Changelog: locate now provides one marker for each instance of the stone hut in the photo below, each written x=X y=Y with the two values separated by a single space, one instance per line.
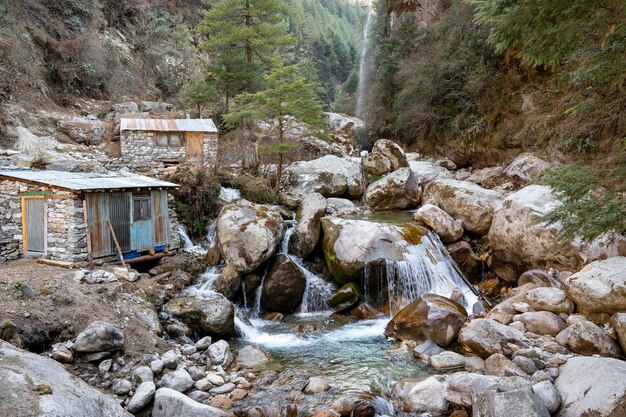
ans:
x=148 y=145
x=72 y=217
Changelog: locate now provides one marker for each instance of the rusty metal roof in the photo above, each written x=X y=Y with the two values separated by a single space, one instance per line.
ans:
x=85 y=181
x=169 y=125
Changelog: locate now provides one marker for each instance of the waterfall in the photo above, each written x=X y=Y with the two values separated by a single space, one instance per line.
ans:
x=316 y=290
x=363 y=75
x=426 y=267
x=188 y=245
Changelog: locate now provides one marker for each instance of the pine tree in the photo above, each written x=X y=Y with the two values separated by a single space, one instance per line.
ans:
x=288 y=98
x=251 y=31
x=199 y=94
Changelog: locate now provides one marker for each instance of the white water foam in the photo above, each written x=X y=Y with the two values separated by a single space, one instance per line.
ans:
x=188 y=245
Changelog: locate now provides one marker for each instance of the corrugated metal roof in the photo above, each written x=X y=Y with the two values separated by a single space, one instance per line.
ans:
x=169 y=125
x=86 y=181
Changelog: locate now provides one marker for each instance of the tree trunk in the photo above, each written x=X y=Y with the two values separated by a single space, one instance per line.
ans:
x=248 y=48
x=281 y=128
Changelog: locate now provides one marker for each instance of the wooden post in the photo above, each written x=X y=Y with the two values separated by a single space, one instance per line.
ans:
x=117 y=245
x=89 y=254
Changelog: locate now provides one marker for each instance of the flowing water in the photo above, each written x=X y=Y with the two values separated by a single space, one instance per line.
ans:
x=188 y=245
x=363 y=68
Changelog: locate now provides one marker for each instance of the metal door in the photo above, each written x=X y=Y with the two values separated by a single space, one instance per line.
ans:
x=35 y=225
x=119 y=210
x=97 y=215
x=142 y=229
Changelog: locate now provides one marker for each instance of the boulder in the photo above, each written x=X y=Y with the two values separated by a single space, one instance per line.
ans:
x=125 y=107
x=350 y=245
x=376 y=164
x=283 y=286
x=526 y=168
x=392 y=151
x=499 y=365
x=484 y=337
x=549 y=299
x=213 y=315
x=539 y=278
x=424 y=396
x=599 y=287
x=329 y=175
x=345 y=297
x=228 y=283
x=586 y=338
x=541 y=322
x=521 y=402
x=448 y=229
x=445 y=361
x=250 y=357
x=316 y=385
x=520 y=241
x=142 y=397
x=395 y=191
x=171 y=403
x=592 y=387
x=463 y=254
x=34 y=385
x=465 y=201
x=248 y=234
x=460 y=387
x=99 y=336
x=307 y=233
x=506 y=309
x=426 y=172
x=429 y=317
x=618 y=322
x=548 y=395
x=61 y=353
x=341 y=207
x=220 y=354
x=179 y=380
x=342 y=406
x=341 y=123
x=490 y=177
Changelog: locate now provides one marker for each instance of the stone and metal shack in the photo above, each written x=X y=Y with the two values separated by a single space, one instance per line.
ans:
x=149 y=144
x=67 y=215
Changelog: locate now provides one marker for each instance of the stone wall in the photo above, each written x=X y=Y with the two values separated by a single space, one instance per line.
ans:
x=66 y=238
x=174 y=223
x=10 y=220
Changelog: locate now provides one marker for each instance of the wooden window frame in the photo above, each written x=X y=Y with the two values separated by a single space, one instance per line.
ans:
x=170 y=135
x=139 y=198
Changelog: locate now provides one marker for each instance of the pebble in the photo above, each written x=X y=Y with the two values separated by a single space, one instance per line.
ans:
x=238 y=394
x=203 y=343
x=143 y=374
x=105 y=366
x=170 y=359
x=121 y=386
x=196 y=372
x=189 y=350
x=214 y=378
x=343 y=406
x=223 y=389
x=222 y=401
x=203 y=384
x=156 y=366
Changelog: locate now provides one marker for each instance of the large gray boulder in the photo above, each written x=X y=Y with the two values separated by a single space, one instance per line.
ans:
x=526 y=168
x=171 y=403
x=586 y=338
x=396 y=191
x=592 y=387
x=618 y=322
x=599 y=287
x=541 y=322
x=448 y=229
x=460 y=387
x=376 y=164
x=350 y=245
x=465 y=201
x=307 y=233
x=484 y=337
x=329 y=175
x=424 y=396
x=248 y=234
x=392 y=151
x=429 y=317
x=179 y=380
x=550 y=299
x=426 y=172
x=213 y=315
x=521 y=402
x=33 y=385
x=283 y=286
x=142 y=397
x=99 y=336
x=520 y=241
x=250 y=357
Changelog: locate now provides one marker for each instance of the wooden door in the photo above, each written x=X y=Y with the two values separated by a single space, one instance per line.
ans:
x=160 y=217
x=142 y=229
x=193 y=146
x=34 y=225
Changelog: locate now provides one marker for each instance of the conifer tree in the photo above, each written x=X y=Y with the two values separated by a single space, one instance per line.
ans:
x=248 y=31
x=289 y=99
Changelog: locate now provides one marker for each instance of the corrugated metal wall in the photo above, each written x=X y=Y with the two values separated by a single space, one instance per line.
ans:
x=120 y=209
x=97 y=215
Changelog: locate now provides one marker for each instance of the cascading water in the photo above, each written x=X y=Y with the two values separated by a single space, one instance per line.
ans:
x=188 y=245
x=426 y=267
x=363 y=67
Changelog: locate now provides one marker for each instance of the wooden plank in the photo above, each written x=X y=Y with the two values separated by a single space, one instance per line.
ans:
x=87 y=232
x=24 y=226
x=194 y=146
x=117 y=245
x=159 y=204
x=53 y=262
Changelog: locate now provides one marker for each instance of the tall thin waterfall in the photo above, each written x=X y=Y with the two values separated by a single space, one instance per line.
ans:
x=188 y=245
x=427 y=267
x=363 y=75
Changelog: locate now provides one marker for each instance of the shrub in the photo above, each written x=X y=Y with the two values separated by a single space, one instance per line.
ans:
x=197 y=198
